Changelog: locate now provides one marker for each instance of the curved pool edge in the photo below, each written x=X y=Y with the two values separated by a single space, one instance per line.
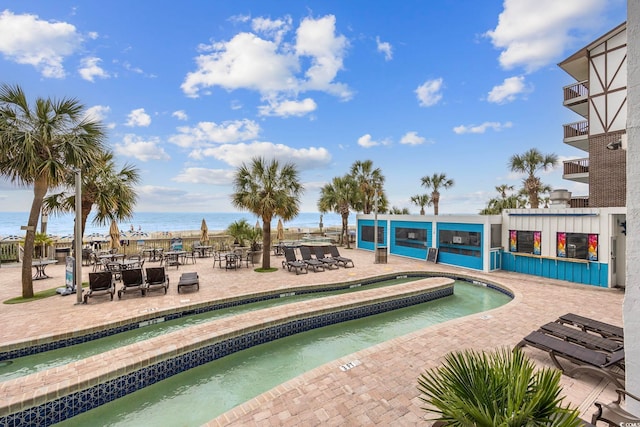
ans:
x=16 y=349
x=124 y=370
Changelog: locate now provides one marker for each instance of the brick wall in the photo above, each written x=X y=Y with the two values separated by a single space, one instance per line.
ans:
x=607 y=172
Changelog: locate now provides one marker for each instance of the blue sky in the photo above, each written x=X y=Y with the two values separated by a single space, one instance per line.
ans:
x=191 y=90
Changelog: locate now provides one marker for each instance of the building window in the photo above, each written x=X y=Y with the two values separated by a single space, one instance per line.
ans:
x=578 y=246
x=411 y=237
x=459 y=242
x=367 y=233
x=528 y=242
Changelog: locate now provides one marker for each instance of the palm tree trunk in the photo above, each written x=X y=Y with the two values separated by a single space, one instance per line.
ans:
x=345 y=228
x=266 y=243
x=86 y=210
x=39 y=191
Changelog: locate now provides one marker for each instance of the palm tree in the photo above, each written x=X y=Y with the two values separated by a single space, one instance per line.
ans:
x=399 y=211
x=369 y=181
x=421 y=200
x=267 y=190
x=501 y=388
x=504 y=189
x=505 y=201
x=340 y=195
x=529 y=163
x=112 y=192
x=435 y=182
x=39 y=145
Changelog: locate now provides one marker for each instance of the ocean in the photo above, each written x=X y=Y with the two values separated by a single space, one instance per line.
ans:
x=62 y=225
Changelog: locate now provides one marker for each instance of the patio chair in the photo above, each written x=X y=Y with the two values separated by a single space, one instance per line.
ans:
x=188 y=280
x=100 y=283
x=586 y=359
x=115 y=268
x=613 y=414
x=231 y=261
x=335 y=254
x=320 y=256
x=290 y=261
x=156 y=279
x=607 y=330
x=578 y=336
x=305 y=252
x=219 y=258
x=132 y=280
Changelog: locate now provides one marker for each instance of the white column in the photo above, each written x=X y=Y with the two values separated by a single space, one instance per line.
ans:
x=631 y=311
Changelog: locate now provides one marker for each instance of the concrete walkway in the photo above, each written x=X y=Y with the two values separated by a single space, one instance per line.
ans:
x=381 y=390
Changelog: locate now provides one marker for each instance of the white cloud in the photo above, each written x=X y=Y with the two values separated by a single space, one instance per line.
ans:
x=508 y=90
x=272 y=67
x=496 y=126
x=385 y=47
x=367 y=141
x=429 y=92
x=180 y=115
x=90 y=68
x=138 y=118
x=534 y=33
x=97 y=112
x=236 y=154
x=273 y=28
x=26 y=39
x=206 y=176
x=288 y=108
x=141 y=149
x=412 y=138
x=206 y=133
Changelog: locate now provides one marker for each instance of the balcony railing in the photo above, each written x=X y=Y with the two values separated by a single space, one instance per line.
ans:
x=572 y=130
x=579 y=202
x=576 y=90
x=576 y=166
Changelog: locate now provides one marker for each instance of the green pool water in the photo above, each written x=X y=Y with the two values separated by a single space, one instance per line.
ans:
x=50 y=359
x=200 y=394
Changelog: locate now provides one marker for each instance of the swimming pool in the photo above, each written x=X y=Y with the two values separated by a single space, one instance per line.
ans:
x=201 y=393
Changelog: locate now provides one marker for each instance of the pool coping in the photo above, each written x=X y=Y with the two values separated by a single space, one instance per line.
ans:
x=65 y=391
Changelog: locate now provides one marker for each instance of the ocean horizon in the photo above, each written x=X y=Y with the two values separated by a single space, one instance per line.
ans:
x=150 y=222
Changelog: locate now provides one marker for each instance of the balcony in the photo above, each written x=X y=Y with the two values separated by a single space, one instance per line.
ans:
x=575 y=97
x=577 y=135
x=579 y=202
x=576 y=170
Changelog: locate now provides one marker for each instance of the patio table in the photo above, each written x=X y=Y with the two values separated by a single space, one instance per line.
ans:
x=40 y=266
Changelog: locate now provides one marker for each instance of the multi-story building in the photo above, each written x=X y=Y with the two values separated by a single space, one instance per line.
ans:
x=599 y=96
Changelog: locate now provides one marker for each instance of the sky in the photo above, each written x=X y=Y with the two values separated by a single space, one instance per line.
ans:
x=189 y=91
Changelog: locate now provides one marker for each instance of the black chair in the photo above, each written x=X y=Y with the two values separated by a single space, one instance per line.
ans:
x=320 y=256
x=188 y=280
x=157 y=279
x=335 y=254
x=607 y=330
x=231 y=261
x=305 y=252
x=132 y=280
x=290 y=261
x=100 y=283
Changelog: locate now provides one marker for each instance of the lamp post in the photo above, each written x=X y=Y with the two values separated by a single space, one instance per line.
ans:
x=375 y=227
x=43 y=229
x=77 y=247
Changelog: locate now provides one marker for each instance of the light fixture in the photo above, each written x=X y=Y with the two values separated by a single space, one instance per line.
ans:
x=614 y=145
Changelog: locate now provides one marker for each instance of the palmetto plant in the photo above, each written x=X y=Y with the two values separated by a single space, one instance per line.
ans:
x=490 y=389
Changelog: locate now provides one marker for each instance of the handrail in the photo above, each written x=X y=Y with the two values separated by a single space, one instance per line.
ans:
x=576 y=166
x=576 y=90
x=574 y=129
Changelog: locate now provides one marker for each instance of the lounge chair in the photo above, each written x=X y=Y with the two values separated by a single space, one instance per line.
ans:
x=100 y=283
x=290 y=261
x=607 y=330
x=305 y=252
x=613 y=414
x=132 y=280
x=188 y=279
x=335 y=254
x=578 y=336
x=586 y=359
x=157 y=279
x=320 y=256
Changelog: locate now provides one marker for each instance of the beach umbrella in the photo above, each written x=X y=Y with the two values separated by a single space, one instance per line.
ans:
x=280 y=231
x=258 y=225
x=12 y=238
x=204 y=235
x=114 y=233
